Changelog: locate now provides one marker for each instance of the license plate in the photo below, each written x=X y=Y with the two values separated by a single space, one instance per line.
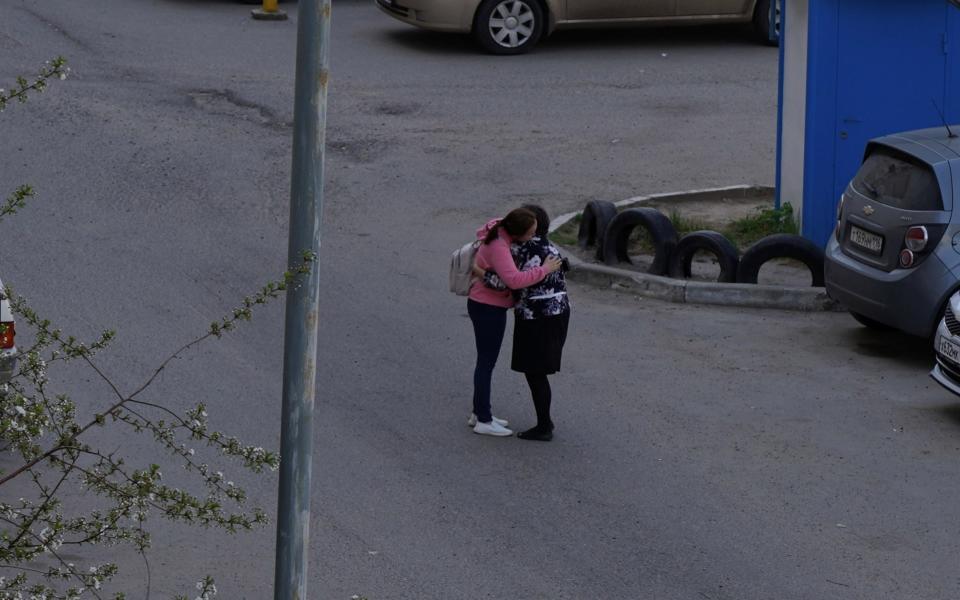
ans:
x=949 y=349
x=866 y=240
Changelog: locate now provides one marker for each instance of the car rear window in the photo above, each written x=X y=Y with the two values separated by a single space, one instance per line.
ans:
x=898 y=180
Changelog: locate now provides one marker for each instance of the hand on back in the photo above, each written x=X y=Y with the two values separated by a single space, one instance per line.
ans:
x=552 y=264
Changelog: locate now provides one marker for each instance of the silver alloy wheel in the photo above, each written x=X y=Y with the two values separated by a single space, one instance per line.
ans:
x=512 y=23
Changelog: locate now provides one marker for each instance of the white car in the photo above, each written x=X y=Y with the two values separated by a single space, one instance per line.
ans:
x=8 y=346
x=946 y=343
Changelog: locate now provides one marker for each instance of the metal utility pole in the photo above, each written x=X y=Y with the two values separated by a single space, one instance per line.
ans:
x=300 y=335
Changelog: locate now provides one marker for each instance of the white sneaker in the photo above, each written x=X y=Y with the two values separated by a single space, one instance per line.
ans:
x=492 y=428
x=472 y=421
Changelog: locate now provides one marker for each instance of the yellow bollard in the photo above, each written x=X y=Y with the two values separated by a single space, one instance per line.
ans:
x=268 y=12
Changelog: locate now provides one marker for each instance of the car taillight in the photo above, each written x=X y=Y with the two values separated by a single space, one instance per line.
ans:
x=916 y=238
x=906 y=259
x=7 y=333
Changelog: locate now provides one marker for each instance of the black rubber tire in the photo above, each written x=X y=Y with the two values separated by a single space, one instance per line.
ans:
x=483 y=35
x=661 y=230
x=781 y=245
x=728 y=257
x=593 y=224
x=761 y=23
x=870 y=323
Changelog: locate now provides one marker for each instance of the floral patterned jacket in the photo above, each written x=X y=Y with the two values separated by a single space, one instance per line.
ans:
x=547 y=298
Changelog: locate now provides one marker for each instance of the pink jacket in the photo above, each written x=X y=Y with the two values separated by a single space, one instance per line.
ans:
x=496 y=256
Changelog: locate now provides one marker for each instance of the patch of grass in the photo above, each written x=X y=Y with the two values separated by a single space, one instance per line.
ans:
x=685 y=225
x=641 y=242
x=744 y=232
x=566 y=234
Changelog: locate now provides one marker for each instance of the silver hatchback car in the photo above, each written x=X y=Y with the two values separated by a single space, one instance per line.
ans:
x=894 y=258
x=947 y=347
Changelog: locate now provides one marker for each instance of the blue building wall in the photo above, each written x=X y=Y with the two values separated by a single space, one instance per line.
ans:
x=874 y=67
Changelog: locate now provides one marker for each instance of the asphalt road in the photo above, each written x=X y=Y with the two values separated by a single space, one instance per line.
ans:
x=701 y=452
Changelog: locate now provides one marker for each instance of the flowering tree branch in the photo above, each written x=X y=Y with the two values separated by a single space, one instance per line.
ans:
x=56 y=68
x=58 y=449
x=29 y=414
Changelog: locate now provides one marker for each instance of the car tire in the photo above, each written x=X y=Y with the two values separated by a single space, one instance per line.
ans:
x=509 y=26
x=761 y=22
x=781 y=245
x=870 y=323
x=593 y=224
x=617 y=237
x=728 y=257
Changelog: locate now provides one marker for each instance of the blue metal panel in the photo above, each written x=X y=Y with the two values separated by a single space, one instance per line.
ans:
x=952 y=43
x=875 y=67
x=819 y=147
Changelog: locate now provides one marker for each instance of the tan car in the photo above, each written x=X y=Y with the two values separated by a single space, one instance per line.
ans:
x=515 y=26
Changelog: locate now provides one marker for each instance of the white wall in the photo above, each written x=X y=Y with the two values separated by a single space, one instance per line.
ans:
x=796 y=14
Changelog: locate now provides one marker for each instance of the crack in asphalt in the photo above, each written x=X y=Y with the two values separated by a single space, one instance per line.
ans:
x=60 y=29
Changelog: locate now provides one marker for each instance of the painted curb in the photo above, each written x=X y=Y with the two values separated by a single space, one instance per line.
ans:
x=696 y=292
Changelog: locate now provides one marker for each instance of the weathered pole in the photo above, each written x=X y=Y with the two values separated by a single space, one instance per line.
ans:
x=300 y=334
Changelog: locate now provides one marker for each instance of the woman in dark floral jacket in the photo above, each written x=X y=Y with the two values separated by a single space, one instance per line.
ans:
x=542 y=315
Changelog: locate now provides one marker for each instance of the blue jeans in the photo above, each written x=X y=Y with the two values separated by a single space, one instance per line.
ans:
x=489 y=323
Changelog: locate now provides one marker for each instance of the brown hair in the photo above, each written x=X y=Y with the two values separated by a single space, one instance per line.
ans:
x=543 y=220
x=517 y=222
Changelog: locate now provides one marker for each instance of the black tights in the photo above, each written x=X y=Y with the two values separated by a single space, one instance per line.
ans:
x=540 y=390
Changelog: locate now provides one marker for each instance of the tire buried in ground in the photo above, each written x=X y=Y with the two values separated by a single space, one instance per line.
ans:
x=617 y=237
x=727 y=255
x=593 y=224
x=781 y=245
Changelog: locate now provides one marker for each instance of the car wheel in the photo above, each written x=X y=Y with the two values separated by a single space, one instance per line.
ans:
x=508 y=26
x=781 y=245
x=593 y=224
x=761 y=22
x=870 y=323
x=728 y=257
x=617 y=237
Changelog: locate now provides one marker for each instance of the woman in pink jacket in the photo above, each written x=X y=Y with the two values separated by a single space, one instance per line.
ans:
x=488 y=307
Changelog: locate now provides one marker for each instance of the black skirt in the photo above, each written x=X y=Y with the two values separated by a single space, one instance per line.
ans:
x=538 y=344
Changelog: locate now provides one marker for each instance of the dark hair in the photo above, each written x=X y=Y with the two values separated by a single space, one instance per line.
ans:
x=517 y=222
x=543 y=219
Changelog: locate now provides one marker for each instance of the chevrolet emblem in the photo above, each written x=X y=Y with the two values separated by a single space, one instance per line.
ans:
x=868 y=210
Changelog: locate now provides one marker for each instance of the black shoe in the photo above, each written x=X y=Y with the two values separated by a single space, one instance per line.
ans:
x=536 y=434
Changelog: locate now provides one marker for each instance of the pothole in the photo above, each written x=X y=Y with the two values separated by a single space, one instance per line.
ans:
x=395 y=109
x=363 y=150
x=229 y=104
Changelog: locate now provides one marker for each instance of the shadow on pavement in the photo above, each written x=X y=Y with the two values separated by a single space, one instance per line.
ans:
x=905 y=349
x=433 y=42
x=645 y=38
x=663 y=39
x=950 y=412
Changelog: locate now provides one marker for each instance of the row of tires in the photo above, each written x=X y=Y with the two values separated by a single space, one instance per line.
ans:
x=602 y=226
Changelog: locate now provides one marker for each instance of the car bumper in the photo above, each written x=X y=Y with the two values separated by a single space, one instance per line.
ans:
x=946 y=372
x=434 y=15
x=907 y=299
x=8 y=364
